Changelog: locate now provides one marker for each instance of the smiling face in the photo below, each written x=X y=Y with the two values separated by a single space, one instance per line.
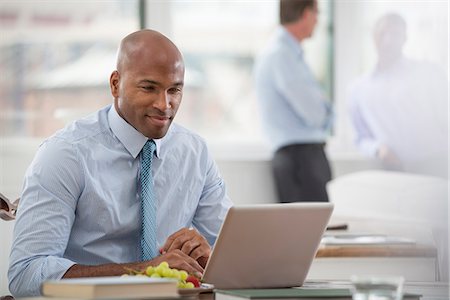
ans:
x=148 y=84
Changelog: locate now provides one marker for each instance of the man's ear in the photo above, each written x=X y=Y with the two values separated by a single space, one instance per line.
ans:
x=305 y=14
x=114 y=80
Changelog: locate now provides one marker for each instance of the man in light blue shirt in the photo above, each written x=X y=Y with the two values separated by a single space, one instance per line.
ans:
x=295 y=113
x=80 y=210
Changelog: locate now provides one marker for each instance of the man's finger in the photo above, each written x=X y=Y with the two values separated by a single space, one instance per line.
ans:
x=177 y=239
x=189 y=246
x=200 y=252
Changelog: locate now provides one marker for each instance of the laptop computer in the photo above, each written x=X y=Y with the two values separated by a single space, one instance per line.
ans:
x=267 y=245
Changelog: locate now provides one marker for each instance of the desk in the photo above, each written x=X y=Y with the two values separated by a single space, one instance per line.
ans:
x=428 y=290
x=377 y=251
x=414 y=262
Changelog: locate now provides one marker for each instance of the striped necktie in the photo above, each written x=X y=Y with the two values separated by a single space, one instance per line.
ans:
x=148 y=203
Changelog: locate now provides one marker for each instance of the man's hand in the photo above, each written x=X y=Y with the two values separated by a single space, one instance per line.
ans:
x=190 y=242
x=181 y=261
x=387 y=156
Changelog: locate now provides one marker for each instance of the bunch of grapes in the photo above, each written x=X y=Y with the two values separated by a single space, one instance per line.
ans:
x=164 y=271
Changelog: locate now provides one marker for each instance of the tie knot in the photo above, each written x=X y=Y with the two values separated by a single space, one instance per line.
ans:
x=148 y=149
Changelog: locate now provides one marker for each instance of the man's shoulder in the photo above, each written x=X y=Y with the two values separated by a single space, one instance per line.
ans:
x=275 y=50
x=85 y=128
x=274 y=55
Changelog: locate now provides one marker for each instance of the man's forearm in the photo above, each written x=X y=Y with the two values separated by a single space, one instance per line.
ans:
x=103 y=270
x=175 y=258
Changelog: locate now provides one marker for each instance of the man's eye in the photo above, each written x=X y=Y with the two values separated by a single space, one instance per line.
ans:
x=175 y=90
x=148 y=88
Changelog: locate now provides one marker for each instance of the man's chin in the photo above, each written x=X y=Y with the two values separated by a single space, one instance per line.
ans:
x=157 y=133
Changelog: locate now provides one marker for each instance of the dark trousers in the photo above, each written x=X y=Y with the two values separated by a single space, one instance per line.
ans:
x=301 y=173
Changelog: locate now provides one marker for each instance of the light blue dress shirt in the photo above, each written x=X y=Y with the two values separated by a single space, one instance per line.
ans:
x=294 y=109
x=80 y=202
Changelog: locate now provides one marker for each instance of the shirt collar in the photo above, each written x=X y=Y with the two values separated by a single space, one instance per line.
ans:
x=289 y=40
x=132 y=139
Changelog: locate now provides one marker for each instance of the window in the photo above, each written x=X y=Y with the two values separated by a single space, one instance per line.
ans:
x=55 y=61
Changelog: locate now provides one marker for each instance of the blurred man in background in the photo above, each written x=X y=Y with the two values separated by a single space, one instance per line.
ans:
x=399 y=110
x=296 y=115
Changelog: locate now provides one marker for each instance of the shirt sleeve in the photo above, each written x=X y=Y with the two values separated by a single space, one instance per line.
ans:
x=295 y=81
x=44 y=219
x=214 y=203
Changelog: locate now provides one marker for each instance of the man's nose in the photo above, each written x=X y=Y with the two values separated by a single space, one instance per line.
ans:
x=163 y=101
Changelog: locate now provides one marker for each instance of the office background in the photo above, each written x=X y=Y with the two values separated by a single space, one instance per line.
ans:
x=56 y=60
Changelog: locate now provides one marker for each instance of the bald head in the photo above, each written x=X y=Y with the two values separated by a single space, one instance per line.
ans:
x=144 y=42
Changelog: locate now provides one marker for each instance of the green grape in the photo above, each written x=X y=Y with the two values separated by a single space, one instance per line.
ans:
x=167 y=273
x=160 y=270
x=176 y=274
x=183 y=275
x=149 y=271
x=189 y=285
x=164 y=271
